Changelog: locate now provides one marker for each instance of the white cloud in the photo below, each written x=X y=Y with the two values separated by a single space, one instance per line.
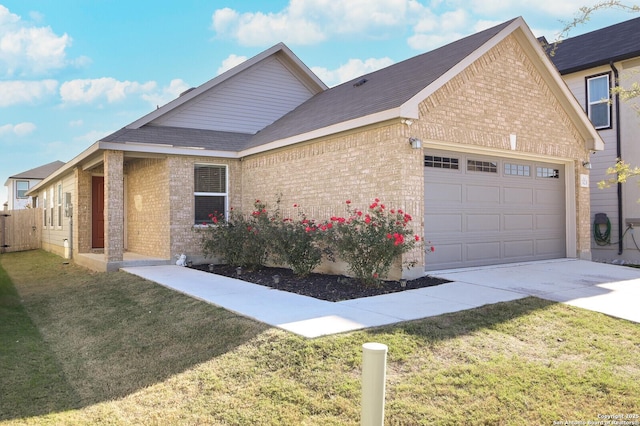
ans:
x=167 y=94
x=313 y=21
x=20 y=129
x=432 y=31
x=91 y=90
x=76 y=123
x=352 y=69
x=231 y=61
x=26 y=49
x=25 y=92
x=553 y=9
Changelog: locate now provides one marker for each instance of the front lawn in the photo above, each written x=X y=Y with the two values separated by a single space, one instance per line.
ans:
x=78 y=347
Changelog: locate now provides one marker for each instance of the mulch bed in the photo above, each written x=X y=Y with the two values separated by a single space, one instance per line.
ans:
x=333 y=288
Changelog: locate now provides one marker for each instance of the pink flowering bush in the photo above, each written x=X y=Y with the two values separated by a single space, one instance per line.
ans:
x=369 y=241
x=241 y=240
x=295 y=242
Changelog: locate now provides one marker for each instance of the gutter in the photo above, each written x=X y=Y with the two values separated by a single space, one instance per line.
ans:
x=619 y=156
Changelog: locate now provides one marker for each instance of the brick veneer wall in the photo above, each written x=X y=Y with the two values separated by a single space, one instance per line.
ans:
x=185 y=237
x=160 y=204
x=113 y=205
x=148 y=207
x=376 y=162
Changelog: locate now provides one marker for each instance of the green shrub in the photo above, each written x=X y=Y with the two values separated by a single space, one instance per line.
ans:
x=370 y=241
x=295 y=243
x=241 y=240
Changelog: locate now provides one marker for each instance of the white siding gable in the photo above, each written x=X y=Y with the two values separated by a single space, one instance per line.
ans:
x=246 y=103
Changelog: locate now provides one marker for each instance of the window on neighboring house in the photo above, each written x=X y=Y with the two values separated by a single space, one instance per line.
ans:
x=598 y=108
x=210 y=192
x=22 y=186
x=59 y=204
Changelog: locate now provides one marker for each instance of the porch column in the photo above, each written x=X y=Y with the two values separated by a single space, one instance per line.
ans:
x=113 y=205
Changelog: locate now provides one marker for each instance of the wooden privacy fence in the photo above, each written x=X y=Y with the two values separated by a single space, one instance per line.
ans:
x=20 y=230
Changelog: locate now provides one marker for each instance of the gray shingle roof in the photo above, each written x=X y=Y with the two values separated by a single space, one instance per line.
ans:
x=615 y=43
x=39 y=172
x=181 y=137
x=384 y=89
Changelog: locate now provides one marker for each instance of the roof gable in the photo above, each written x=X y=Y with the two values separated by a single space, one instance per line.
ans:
x=244 y=103
x=255 y=81
x=611 y=44
x=382 y=90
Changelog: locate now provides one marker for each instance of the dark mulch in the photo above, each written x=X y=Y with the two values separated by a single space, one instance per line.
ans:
x=333 y=288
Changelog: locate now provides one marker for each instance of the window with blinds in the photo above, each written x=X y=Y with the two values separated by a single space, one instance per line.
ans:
x=210 y=192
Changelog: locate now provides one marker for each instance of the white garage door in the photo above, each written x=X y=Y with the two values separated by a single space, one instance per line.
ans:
x=488 y=210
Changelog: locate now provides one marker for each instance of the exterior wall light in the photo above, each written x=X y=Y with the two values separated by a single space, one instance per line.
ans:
x=586 y=165
x=415 y=143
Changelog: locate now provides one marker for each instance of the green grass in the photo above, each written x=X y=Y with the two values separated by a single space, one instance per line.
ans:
x=85 y=348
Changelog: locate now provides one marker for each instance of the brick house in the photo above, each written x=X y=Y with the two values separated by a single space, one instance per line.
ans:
x=591 y=64
x=480 y=140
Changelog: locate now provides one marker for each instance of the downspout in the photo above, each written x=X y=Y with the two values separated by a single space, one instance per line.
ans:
x=618 y=155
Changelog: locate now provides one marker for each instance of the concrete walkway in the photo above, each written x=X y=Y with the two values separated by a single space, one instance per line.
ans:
x=610 y=289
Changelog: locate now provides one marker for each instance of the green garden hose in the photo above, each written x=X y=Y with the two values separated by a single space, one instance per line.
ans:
x=602 y=239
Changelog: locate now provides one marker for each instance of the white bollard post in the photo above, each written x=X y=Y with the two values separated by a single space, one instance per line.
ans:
x=374 y=366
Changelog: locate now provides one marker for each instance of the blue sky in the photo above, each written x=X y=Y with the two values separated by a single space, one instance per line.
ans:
x=72 y=71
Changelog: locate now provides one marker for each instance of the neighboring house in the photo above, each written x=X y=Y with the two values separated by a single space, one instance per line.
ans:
x=18 y=185
x=591 y=64
x=480 y=141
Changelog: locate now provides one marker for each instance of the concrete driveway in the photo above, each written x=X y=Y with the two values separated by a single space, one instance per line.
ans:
x=613 y=290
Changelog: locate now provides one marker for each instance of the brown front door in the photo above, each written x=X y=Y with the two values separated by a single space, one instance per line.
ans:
x=97 y=209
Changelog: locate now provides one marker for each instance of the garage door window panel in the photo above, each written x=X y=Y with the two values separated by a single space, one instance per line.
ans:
x=547 y=172
x=482 y=166
x=441 y=162
x=511 y=169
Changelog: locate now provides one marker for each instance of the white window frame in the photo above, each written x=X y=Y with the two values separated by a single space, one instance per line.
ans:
x=44 y=208
x=596 y=102
x=18 y=190
x=59 y=205
x=51 y=204
x=212 y=194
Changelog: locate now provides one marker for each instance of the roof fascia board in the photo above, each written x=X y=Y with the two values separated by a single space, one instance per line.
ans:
x=166 y=149
x=66 y=168
x=279 y=48
x=344 y=126
x=294 y=65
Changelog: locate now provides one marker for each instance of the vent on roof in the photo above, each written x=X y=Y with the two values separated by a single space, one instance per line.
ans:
x=360 y=82
x=187 y=91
